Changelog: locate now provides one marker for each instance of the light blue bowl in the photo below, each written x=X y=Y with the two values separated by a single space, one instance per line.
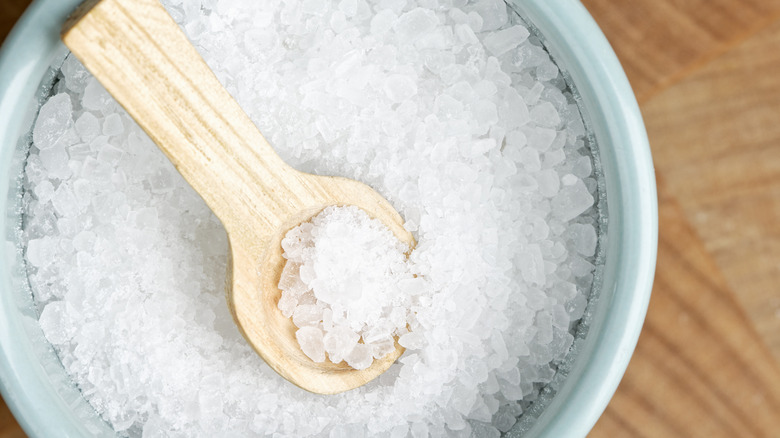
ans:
x=46 y=404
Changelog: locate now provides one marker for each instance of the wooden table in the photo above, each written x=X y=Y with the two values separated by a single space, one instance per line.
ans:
x=707 y=76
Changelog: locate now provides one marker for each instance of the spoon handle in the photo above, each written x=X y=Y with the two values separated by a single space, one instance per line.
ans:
x=139 y=54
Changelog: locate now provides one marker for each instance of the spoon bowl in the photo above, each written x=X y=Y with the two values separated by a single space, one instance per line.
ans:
x=250 y=295
x=139 y=54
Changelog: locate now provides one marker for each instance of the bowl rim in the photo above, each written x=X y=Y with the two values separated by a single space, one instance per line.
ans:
x=633 y=220
x=25 y=383
x=571 y=33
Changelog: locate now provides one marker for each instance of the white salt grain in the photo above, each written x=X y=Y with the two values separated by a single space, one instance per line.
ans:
x=505 y=40
x=55 y=161
x=545 y=114
x=450 y=110
x=339 y=342
x=113 y=125
x=84 y=241
x=87 y=126
x=493 y=14
x=399 y=88
x=64 y=202
x=40 y=252
x=360 y=357
x=55 y=322
x=574 y=201
x=54 y=120
x=414 y=24
x=310 y=340
x=44 y=191
x=382 y=22
x=584 y=238
x=95 y=96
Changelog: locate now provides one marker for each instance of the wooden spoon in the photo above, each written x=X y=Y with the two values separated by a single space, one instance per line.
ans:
x=136 y=50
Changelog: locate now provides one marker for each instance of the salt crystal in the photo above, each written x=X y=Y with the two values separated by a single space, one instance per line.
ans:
x=569 y=179
x=573 y=201
x=348 y=7
x=360 y=357
x=462 y=399
x=529 y=157
x=110 y=155
x=147 y=218
x=446 y=107
x=44 y=191
x=480 y=411
x=530 y=56
x=547 y=71
x=503 y=41
x=96 y=98
x=290 y=280
x=307 y=315
x=84 y=241
x=485 y=112
x=504 y=421
x=584 y=238
x=549 y=182
x=310 y=340
x=532 y=265
x=287 y=304
x=382 y=22
x=419 y=430
x=40 y=252
x=34 y=170
x=514 y=110
x=161 y=181
x=95 y=170
x=112 y=125
x=314 y=7
x=544 y=323
x=475 y=21
x=493 y=12
x=560 y=318
x=465 y=34
x=64 y=201
x=382 y=348
x=338 y=22
x=555 y=155
x=339 y=342
x=411 y=341
x=74 y=73
x=55 y=161
x=87 y=126
x=582 y=167
x=545 y=114
x=576 y=307
x=54 y=120
x=413 y=286
x=399 y=88
x=415 y=23
x=55 y=322
x=79 y=151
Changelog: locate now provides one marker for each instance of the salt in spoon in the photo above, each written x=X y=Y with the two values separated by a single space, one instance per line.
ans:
x=139 y=54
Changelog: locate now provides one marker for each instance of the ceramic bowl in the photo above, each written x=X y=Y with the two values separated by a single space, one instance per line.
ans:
x=44 y=400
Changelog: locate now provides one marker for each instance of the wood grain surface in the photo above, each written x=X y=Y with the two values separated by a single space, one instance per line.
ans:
x=706 y=75
x=722 y=162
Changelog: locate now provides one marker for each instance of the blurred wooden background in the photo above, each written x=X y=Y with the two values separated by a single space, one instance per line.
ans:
x=707 y=77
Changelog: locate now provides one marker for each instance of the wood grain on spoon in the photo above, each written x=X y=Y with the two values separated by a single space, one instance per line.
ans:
x=139 y=54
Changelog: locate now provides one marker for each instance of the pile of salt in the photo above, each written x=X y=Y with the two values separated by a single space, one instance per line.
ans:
x=470 y=134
